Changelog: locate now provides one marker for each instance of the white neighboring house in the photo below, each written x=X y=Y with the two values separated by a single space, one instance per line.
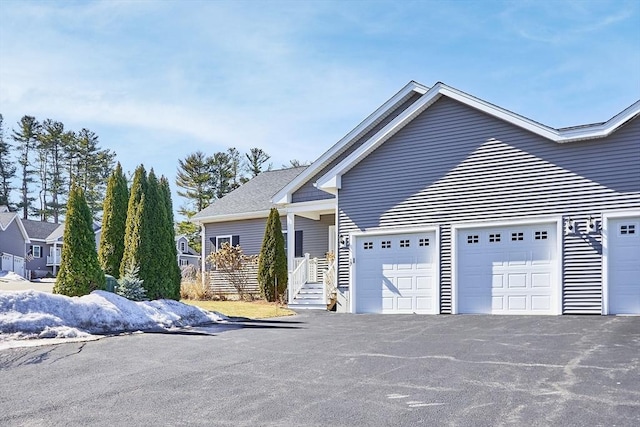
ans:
x=186 y=255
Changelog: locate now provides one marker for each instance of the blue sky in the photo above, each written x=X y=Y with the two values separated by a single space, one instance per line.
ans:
x=157 y=80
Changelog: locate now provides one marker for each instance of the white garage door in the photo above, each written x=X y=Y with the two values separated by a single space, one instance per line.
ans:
x=507 y=270
x=624 y=265
x=396 y=274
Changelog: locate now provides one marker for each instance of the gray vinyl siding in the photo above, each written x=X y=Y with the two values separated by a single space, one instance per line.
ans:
x=453 y=164
x=315 y=236
x=12 y=240
x=38 y=265
x=308 y=192
x=251 y=231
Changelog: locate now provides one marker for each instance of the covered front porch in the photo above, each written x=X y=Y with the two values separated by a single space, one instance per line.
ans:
x=311 y=242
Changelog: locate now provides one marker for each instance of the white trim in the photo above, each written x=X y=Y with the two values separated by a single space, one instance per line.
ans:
x=203 y=248
x=353 y=239
x=284 y=195
x=18 y=221
x=457 y=227
x=606 y=216
x=230 y=217
x=330 y=181
x=223 y=236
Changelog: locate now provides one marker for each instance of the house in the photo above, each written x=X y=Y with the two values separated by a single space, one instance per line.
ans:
x=13 y=240
x=32 y=248
x=186 y=255
x=44 y=247
x=442 y=203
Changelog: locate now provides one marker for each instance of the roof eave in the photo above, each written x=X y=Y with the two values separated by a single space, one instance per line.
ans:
x=284 y=195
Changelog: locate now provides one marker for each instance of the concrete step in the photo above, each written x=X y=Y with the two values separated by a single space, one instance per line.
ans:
x=307 y=306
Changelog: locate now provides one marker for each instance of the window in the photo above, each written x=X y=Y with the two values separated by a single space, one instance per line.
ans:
x=628 y=229
x=517 y=236
x=473 y=238
x=368 y=245
x=423 y=242
x=217 y=242
x=286 y=243
x=299 y=247
x=386 y=244
x=36 y=251
x=183 y=262
x=405 y=243
x=220 y=240
x=183 y=247
x=494 y=238
x=540 y=235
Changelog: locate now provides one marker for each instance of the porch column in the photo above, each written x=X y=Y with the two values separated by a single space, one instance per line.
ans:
x=55 y=258
x=203 y=253
x=291 y=248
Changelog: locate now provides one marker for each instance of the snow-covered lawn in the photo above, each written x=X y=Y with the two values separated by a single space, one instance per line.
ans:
x=32 y=314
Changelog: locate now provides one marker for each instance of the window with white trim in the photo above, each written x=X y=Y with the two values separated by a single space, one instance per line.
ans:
x=220 y=240
x=183 y=262
x=36 y=251
x=183 y=247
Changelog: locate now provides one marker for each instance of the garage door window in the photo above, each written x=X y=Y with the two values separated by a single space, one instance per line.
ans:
x=386 y=244
x=517 y=236
x=540 y=235
x=628 y=229
x=473 y=238
x=405 y=243
x=423 y=242
x=368 y=245
x=494 y=238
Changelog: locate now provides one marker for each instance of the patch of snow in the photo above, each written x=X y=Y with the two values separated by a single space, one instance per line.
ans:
x=33 y=314
x=10 y=275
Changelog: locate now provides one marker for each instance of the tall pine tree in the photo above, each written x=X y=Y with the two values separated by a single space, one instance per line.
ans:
x=196 y=178
x=272 y=264
x=114 y=221
x=7 y=168
x=26 y=138
x=80 y=271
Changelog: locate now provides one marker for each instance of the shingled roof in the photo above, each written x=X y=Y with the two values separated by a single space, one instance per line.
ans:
x=254 y=196
x=39 y=230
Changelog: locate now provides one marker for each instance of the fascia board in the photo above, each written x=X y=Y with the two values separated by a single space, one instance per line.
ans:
x=330 y=181
x=284 y=195
x=230 y=217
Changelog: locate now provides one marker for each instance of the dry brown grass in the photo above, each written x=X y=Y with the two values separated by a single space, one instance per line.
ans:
x=251 y=310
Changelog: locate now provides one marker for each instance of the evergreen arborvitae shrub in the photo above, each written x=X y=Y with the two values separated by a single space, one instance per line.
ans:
x=173 y=274
x=138 y=240
x=114 y=221
x=155 y=268
x=80 y=271
x=272 y=264
x=130 y=285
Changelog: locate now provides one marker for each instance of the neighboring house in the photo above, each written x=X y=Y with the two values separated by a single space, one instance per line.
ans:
x=32 y=248
x=13 y=238
x=186 y=255
x=444 y=203
x=43 y=249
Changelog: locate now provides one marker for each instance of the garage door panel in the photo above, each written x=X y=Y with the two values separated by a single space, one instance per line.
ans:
x=404 y=269
x=507 y=270
x=623 y=275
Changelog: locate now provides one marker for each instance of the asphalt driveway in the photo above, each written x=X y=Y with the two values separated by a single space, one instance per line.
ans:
x=322 y=369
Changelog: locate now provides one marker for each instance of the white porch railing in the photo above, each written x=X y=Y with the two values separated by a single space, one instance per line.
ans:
x=300 y=275
x=53 y=260
x=329 y=280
